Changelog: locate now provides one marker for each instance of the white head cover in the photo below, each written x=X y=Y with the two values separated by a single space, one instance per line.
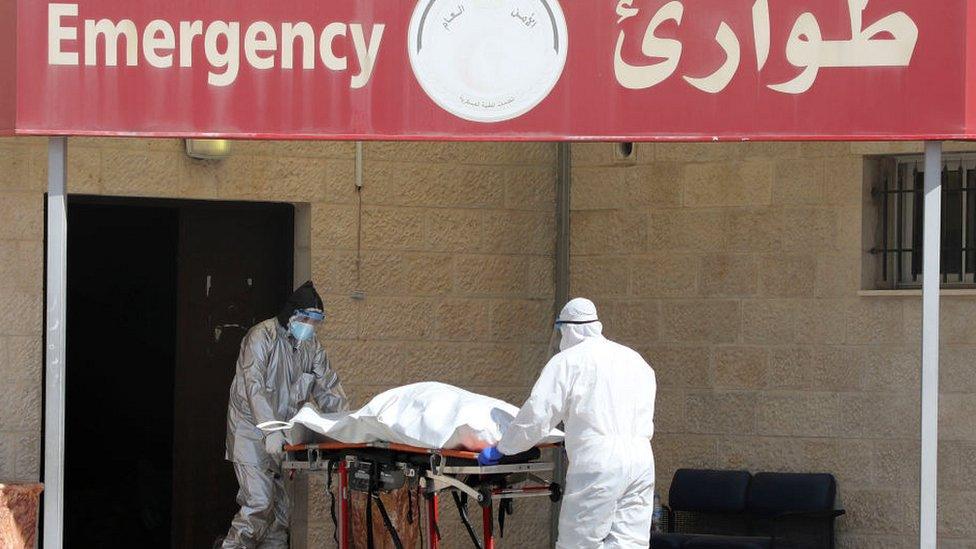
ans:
x=577 y=321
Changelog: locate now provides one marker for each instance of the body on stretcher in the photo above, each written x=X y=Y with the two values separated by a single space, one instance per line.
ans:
x=377 y=467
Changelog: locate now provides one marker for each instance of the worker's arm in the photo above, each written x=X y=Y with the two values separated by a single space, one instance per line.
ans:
x=327 y=390
x=253 y=363
x=541 y=412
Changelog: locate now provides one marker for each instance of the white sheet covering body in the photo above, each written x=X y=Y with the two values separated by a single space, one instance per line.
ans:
x=426 y=415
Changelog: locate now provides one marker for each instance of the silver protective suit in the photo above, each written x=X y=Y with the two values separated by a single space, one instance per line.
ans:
x=604 y=394
x=275 y=376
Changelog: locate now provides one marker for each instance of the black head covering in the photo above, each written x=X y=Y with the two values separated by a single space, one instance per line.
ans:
x=305 y=297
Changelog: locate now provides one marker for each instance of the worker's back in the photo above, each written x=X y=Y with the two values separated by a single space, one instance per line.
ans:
x=610 y=399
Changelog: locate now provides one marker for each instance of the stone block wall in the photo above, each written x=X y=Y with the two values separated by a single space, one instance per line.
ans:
x=735 y=269
x=455 y=260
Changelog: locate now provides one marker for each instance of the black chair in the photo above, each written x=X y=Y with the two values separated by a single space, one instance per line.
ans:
x=796 y=510
x=705 y=501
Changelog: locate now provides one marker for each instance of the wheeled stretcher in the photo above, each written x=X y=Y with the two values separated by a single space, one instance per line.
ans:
x=375 y=468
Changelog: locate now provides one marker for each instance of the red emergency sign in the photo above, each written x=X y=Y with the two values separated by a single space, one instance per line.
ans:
x=490 y=69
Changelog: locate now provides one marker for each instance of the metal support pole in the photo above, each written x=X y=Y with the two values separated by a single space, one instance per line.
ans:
x=931 y=278
x=57 y=273
x=563 y=203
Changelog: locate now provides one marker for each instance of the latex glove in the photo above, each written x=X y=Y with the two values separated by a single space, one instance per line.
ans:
x=490 y=456
x=274 y=443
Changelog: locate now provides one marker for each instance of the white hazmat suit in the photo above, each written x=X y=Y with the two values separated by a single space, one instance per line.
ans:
x=604 y=394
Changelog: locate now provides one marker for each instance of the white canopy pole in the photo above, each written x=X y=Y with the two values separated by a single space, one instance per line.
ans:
x=931 y=281
x=57 y=273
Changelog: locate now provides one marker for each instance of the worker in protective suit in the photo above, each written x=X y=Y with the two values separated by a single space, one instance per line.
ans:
x=603 y=393
x=281 y=367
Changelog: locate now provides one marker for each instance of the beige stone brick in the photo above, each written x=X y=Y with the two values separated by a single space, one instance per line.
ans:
x=342 y=318
x=386 y=318
x=492 y=275
x=441 y=185
x=143 y=173
x=528 y=321
x=295 y=148
x=846 y=540
x=757 y=230
x=541 y=276
x=798 y=414
x=867 y=148
x=656 y=185
x=787 y=276
x=712 y=321
x=461 y=319
x=334 y=273
x=690 y=230
x=825 y=149
x=821 y=321
x=334 y=227
x=846 y=459
x=798 y=182
x=22 y=264
x=670 y=411
x=665 y=275
x=701 y=152
x=29 y=456
x=415 y=274
x=740 y=367
x=768 y=321
x=275 y=178
x=534 y=358
x=22 y=215
x=726 y=275
x=721 y=413
x=896 y=463
x=957 y=321
x=631 y=322
x=84 y=170
x=602 y=232
x=844 y=180
x=724 y=184
x=511 y=232
x=600 y=277
x=8 y=454
x=880 y=511
x=455 y=230
x=592 y=154
x=890 y=369
x=394 y=228
x=21 y=359
x=673 y=452
x=849 y=234
x=879 y=415
x=813 y=229
x=382 y=363
x=956 y=413
x=465 y=364
x=678 y=366
x=16 y=170
x=957 y=514
x=957 y=370
x=480 y=153
x=535 y=193
x=20 y=312
x=872 y=322
x=837 y=275
x=956 y=459
x=20 y=408
x=817 y=368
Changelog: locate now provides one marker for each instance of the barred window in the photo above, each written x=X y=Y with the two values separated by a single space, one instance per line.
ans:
x=900 y=198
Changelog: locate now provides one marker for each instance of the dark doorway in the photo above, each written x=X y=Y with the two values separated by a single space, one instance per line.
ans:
x=160 y=293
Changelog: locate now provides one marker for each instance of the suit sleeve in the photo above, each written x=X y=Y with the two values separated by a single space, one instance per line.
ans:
x=253 y=362
x=327 y=390
x=540 y=414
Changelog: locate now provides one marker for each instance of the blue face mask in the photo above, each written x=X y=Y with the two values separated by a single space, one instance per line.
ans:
x=301 y=331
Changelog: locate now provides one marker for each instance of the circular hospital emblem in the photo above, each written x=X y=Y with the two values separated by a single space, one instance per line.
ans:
x=488 y=60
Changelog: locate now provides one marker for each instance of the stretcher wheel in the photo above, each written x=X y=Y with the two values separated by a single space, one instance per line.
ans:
x=555 y=492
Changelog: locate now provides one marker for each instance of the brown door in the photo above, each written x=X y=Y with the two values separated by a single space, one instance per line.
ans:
x=235 y=270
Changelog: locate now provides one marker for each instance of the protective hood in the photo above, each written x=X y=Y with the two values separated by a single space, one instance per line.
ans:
x=305 y=297
x=576 y=322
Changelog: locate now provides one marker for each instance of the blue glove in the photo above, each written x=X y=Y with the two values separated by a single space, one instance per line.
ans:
x=490 y=456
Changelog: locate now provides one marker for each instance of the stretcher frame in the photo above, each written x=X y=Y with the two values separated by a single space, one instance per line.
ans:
x=435 y=475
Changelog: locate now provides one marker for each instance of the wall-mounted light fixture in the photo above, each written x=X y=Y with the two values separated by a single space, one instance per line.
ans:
x=208 y=149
